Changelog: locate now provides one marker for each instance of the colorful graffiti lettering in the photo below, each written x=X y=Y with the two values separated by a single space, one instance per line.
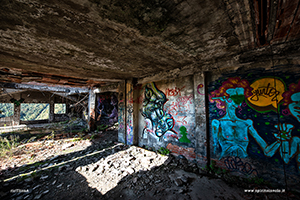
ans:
x=174 y=92
x=199 y=87
x=181 y=105
x=181 y=109
x=182 y=120
x=186 y=99
x=184 y=135
x=161 y=122
x=129 y=134
x=267 y=94
x=121 y=116
x=236 y=164
x=138 y=100
x=130 y=109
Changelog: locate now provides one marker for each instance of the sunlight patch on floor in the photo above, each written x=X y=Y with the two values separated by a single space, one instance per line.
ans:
x=105 y=174
x=60 y=164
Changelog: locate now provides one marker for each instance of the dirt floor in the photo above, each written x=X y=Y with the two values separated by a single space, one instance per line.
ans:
x=96 y=166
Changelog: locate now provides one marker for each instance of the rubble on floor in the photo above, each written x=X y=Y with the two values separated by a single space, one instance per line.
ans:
x=102 y=168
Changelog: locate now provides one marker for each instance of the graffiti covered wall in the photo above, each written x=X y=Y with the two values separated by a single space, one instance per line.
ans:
x=106 y=108
x=248 y=122
x=254 y=119
x=167 y=116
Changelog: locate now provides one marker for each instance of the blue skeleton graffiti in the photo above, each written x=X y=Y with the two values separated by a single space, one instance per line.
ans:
x=231 y=132
x=161 y=122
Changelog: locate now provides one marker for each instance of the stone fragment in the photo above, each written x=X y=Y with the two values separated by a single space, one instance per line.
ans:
x=38 y=196
x=93 y=168
x=27 y=197
x=178 y=182
x=116 y=164
x=184 y=179
x=61 y=168
x=36 y=187
x=78 y=169
x=20 y=198
x=157 y=181
x=100 y=170
x=168 y=161
x=67 y=145
x=45 y=192
x=55 y=157
x=27 y=180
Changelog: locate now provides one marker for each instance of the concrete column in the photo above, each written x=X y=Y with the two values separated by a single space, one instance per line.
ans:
x=17 y=112
x=17 y=115
x=67 y=107
x=121 y=112
x=136 y=113
x=91 y=110
x=202 y=144
x=129 y=114
x=51 y=110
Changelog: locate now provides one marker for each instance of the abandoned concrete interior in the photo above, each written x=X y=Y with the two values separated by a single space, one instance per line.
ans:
x=212 y=80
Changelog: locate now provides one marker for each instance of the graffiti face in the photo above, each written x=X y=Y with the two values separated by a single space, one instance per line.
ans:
x=236 y=97
x=153 y=109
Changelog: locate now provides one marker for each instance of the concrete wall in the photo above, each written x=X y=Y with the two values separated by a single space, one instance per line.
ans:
x=172 y=115
x=246 y=121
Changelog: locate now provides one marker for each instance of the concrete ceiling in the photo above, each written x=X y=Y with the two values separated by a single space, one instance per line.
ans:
x=96 y=42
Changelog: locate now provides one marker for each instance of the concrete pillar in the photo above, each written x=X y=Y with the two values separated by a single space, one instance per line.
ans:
x=136 y=113
x=129 y=114
x=202 y=144
x=51 y=110
x=67 y=107
x=121 y=112
x=91 y=110
x=17 y=112
x=17 y=115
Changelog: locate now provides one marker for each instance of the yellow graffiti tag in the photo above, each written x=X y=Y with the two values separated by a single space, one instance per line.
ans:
x=267 y=93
